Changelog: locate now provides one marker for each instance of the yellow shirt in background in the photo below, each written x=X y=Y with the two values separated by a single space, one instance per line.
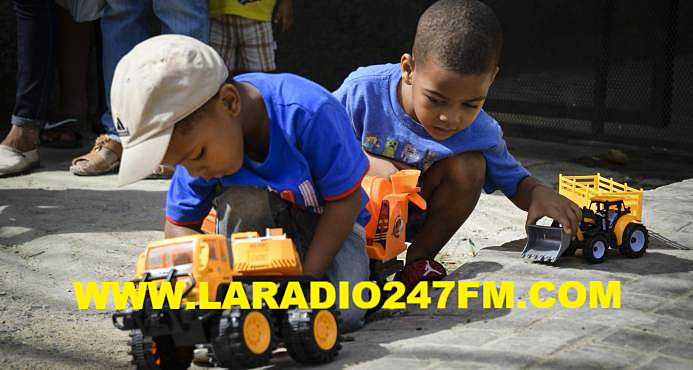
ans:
x=259 y=10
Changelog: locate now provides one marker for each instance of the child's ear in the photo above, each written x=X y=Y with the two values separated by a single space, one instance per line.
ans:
x=495 y=73
x=406 y=67
x=231 y=99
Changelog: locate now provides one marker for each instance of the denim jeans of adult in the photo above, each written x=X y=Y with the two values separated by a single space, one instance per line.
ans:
x=126 y=23
x=35 y=61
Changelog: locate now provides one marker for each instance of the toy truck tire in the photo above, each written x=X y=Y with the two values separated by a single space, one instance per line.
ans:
x=312 y=336
x=595 y=248
x=383 y=297
x=244 y=338
x=635 y=241
x=158 y=353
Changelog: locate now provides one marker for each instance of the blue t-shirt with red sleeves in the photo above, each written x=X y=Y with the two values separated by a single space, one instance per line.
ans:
x=313 y=155
x=385 y=129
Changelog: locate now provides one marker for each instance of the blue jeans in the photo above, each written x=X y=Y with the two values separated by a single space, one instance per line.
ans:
x=35 y=61
x=254 y=209
x=126 y=23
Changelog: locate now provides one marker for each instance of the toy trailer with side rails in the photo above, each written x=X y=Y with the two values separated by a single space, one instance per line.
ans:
x=611 y=218
x=239 y=338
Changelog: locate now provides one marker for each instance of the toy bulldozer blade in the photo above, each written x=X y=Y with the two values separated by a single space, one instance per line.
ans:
x=545 y=243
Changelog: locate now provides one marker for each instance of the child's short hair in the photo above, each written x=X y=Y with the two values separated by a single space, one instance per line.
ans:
x=462 y=35
x=185 y=125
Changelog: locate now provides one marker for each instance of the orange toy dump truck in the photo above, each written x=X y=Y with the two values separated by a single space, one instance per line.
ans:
x=240 y=338
x=388 y=204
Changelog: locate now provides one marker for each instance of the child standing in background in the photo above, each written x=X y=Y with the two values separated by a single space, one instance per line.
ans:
x=241 y=32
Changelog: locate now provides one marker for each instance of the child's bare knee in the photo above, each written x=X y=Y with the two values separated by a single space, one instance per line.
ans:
x=467 y=170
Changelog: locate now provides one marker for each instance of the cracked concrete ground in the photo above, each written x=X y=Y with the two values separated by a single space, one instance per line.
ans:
x=56 y=228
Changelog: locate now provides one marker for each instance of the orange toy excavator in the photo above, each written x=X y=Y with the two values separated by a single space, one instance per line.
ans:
x=388 y=205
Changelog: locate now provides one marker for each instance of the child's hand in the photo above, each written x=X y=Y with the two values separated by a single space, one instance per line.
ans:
x=285 y=15
x=547 y=202
x=380 y=167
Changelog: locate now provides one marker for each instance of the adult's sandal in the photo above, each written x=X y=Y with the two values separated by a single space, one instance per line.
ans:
x=103 y=158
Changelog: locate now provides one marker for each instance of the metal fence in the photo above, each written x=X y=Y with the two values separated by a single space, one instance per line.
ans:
x=606 y=70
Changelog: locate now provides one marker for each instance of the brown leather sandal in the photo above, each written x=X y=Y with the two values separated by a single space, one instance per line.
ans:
x=103 y=158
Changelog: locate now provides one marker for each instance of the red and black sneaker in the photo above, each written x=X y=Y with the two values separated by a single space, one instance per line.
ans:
x=420 y=270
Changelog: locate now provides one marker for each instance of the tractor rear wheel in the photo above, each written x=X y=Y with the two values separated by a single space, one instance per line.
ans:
x=635 y=240
x=595 y=248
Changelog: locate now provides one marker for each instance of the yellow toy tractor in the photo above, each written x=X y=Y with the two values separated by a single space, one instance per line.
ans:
x=240 y=338
x=611 y=220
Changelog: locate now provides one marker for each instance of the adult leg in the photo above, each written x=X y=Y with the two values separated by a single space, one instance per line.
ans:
x=183 y=17
x=123 y=25
x=35 y=62
x=74 y=42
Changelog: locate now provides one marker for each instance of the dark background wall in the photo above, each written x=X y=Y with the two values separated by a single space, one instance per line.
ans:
x=549 y=67
x=331 y=38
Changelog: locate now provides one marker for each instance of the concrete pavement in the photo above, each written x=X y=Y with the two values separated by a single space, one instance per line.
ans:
x=56 y=228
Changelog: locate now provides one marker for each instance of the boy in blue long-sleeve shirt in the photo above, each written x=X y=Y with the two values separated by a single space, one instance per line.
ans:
x=425 y=112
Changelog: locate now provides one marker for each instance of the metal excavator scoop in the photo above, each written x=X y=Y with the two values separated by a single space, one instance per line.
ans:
x=545 y=243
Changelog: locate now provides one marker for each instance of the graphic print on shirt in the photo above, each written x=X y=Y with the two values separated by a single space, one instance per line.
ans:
x=409 y=154
x=370 y=143
x=429 y=159
x=390 y=148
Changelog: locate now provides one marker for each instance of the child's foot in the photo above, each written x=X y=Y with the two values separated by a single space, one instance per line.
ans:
x=423 y=269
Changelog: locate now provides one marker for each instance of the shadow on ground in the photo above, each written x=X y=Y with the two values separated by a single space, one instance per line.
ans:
x=414 y=325
x=651 y=263
x=56 y=357
x=28 y=214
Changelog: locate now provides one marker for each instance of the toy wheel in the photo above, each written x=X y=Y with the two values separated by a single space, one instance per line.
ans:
x=383 y=297
x=595 y=249
x=244 y=338
x=312 y=336
x=158 y=353
x=635 y=240
x=569 y=252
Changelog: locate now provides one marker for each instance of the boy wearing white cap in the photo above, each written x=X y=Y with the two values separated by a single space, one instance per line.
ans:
x=233 y=140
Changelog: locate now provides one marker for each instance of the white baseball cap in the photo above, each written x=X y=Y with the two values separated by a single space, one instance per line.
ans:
x=159 y=82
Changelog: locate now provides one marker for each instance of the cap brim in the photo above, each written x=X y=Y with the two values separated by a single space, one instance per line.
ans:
x=140 y=160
